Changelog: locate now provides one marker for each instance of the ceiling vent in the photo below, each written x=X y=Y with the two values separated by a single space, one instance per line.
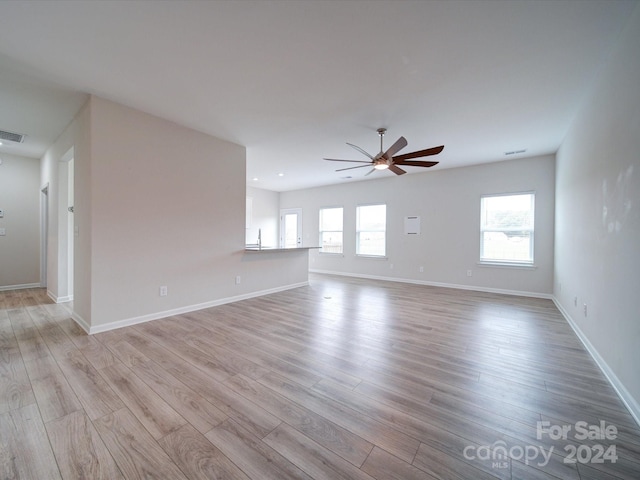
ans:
x=12 y=137
x=515 y=152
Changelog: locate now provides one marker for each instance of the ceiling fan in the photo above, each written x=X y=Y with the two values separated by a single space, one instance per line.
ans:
x=387 y=160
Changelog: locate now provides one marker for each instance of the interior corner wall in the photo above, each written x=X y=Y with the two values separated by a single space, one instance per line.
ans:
x=167 y=208
x=75 y=137
x=598 y=219
x=448 y=204
x=82 y=216
x=20 y=202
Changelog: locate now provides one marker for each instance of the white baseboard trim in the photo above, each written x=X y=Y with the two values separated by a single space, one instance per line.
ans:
x=518 y=293
x=19 y=287
x=178 y=311
x=631 y=403
x=68 y=298
x=80 y=321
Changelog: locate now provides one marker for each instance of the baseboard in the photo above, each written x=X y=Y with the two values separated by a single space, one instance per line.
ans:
x=80 y=321
x=56 y=299
x=631 y=403
x=19 y=287
x=178 y=311
x=474 y=288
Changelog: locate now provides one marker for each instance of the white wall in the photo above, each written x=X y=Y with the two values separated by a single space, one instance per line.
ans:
x=20 y=200
x=265 y=214
x=448 y=202
x=598 y=218
x=54 y=173
x=159 y=204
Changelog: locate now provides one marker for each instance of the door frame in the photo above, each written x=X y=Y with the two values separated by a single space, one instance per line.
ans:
x=290 y=211
x=44 y=232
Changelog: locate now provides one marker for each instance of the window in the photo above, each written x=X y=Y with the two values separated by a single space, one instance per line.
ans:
x=331 y=230
x=506 y=228
x=371 y=226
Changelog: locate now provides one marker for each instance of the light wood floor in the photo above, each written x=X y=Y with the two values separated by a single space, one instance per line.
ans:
x=346 y=378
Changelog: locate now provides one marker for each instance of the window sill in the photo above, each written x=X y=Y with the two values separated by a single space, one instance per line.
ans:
x=379 y=257
x=524 y=266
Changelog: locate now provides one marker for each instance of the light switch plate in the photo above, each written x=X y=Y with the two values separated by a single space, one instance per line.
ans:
x=2 y=232
x=1 y=213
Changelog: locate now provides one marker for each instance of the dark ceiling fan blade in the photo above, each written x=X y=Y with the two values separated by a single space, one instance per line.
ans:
x=395 y=148
x=419 y=153
x=416 y=163
x=360 y=150
x=351 y=168
x=397 y=170
x=339 y=160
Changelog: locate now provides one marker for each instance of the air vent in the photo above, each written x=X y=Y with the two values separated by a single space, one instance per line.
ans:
x=12 y=137
x=515 y=152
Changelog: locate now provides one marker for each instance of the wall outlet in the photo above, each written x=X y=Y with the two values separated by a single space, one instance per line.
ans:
x=575 y=301
x=164 y=291
x=469 y=273
x=584 y=307
x=391 y=266
x=421 y=269
x=238 y=279
x=3 y=232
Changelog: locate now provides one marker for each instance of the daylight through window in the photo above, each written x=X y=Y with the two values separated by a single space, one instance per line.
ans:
x=371 y=227
x=506 y=228
x=331 y=230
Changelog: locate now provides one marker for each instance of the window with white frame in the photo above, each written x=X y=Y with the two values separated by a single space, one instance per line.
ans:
x=507 y=228
x=331 y=230
x=371 y=230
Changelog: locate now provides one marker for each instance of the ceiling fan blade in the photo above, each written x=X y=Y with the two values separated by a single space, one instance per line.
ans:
x=351 y=168
x=416 y=163
x=360 y=150
x=370 y=172
x=397 y=170
x=419 y=153
x=339 y=160
x=395 y=148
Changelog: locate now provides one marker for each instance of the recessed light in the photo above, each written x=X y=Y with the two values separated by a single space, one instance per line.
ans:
x=281 y=174
x=255 y=179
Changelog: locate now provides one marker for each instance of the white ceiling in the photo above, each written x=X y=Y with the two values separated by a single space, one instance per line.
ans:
x=294 y=80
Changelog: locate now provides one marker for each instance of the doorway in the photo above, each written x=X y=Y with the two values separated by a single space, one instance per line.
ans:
x=63 y=290
x=70 y=230
x=291 y=228
x=44 y=229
